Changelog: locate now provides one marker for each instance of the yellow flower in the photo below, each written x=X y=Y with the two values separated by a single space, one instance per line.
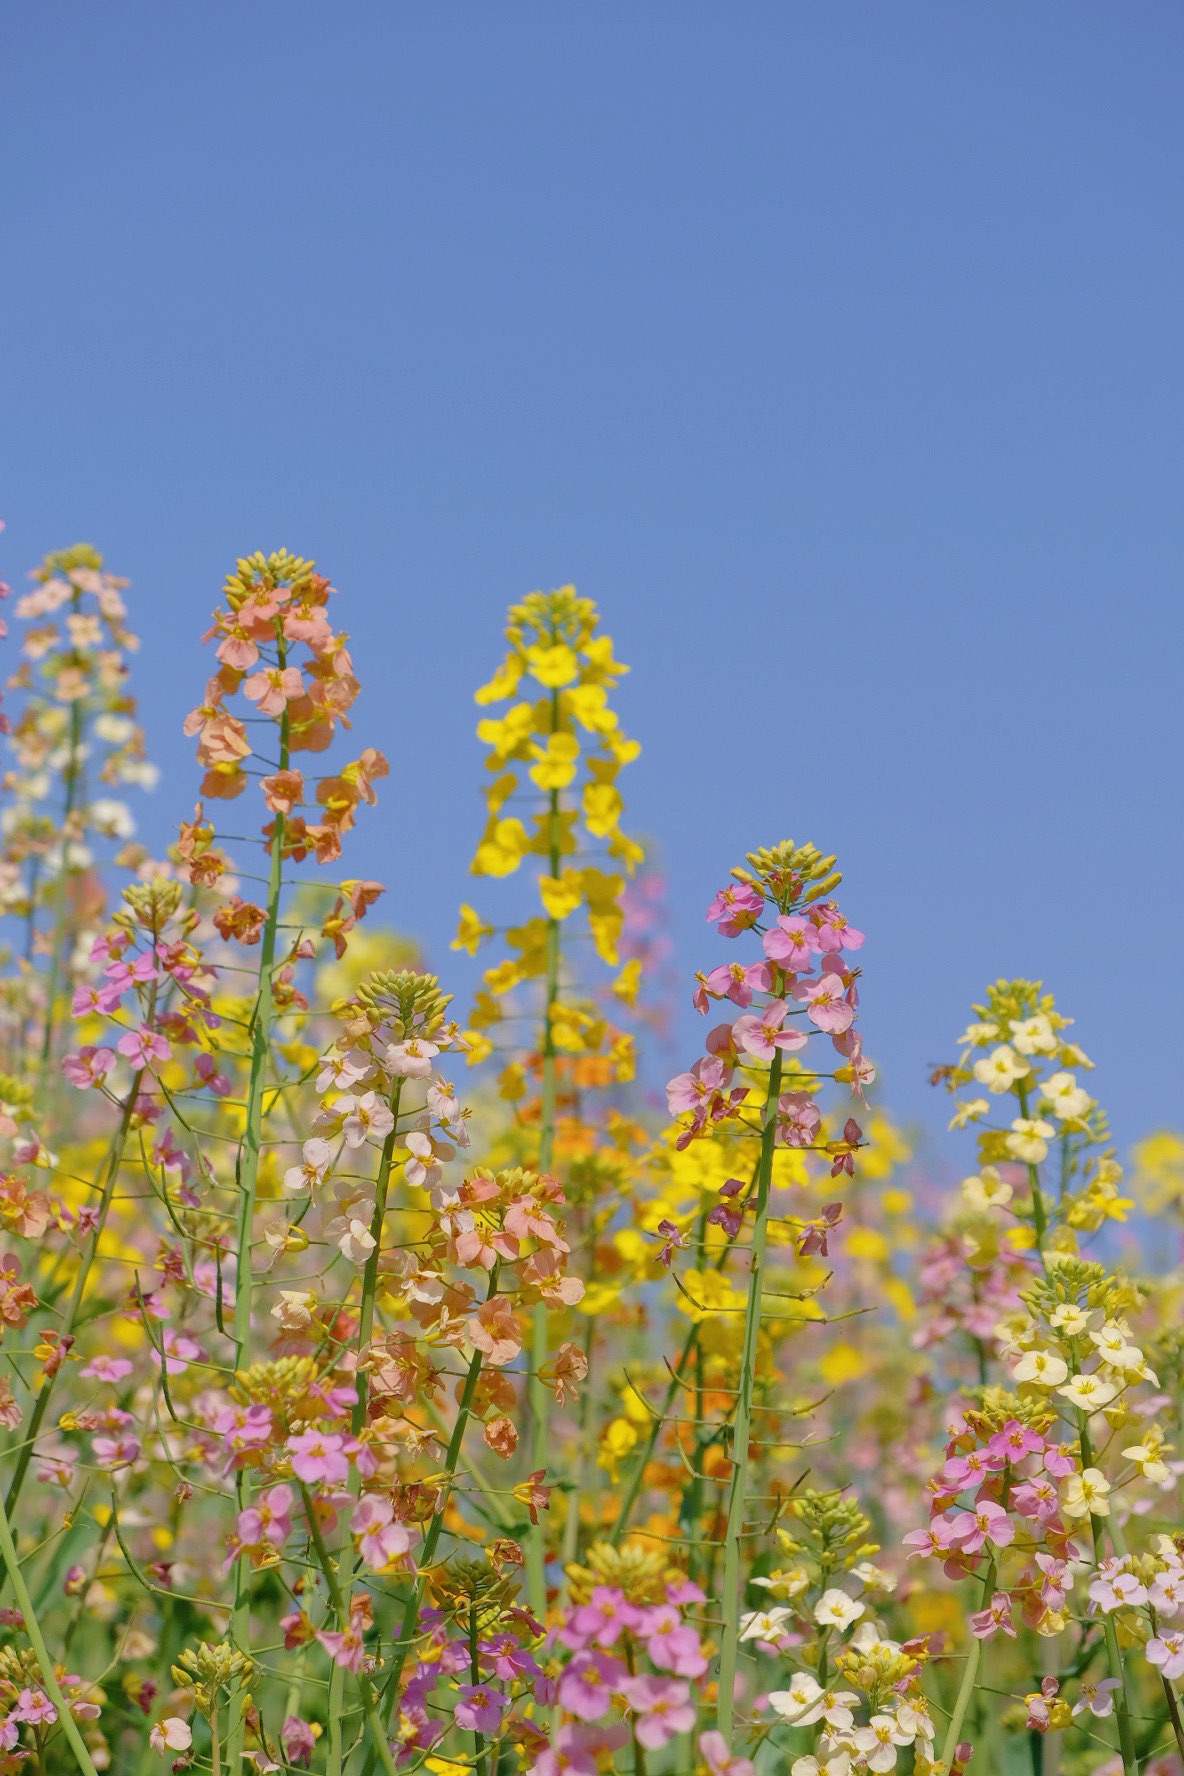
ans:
x=602 y=808
x=557 y=763
x=501 y=850
x=552 y=666
x=470 y=931
x=628 y=982
x=563 y=894
x=504 y=681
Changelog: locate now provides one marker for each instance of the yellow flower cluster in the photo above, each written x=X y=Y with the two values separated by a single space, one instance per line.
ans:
x=568 y=745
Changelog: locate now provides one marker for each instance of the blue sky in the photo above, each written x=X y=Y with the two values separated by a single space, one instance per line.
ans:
x=834 y=349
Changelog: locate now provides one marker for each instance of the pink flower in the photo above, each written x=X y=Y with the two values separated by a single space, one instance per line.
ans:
x=1058 y=1461
x=736 y=909
x=35 y=1708
x=934 y=1542
x=111 y=1452
x=1015 y=1441
x=825 y=1003
x=298 y=1740
x=760 y=1036
x=586 y=1687
x=1167 y=1651
x=719 y=1759
x=962 y=1471
x=319 y=1455
x=344 y=1646
x=382 y=1539
x=105 y=1368
x=663 y=1708
x=731 y=980
x=143 y=1046
x=673 y=1646
x=793 y=942
x=798 y=1119
x=693 y=1090
x=988 y=1522
x=480 y=1708
x=268 y=1520
x=834 y=933
x=987 y=1622
x=604 y=1616
x=1037 y=1500
x=89 y=1066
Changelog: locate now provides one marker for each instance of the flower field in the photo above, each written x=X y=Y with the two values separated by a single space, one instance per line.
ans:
x=390 y=1383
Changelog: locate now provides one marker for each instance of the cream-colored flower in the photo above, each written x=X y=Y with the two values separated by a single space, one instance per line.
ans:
x=1089 y=1392
x=1113 y=1348
x=1083 y=1495
x=835 y=1609
x=978 y=1035
x=1034 y=1035
x=1066 y=1098
x=987 y=1191
x=785 y=1584
x=970 y=1111
x=1148 y=1458
x=1043 y=1367
x=999 y=1070
x=1029 y=1139
x=1069 y=1319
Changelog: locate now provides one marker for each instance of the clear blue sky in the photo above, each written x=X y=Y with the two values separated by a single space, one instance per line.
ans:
x=834 y=349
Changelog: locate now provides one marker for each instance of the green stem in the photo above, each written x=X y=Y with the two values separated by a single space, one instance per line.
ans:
x=41 y=1405
x=730 y=1633
x=59 y=931
x=36 y=1641
x=647 y=1453
x=1122 y=1711
x=248 y=1179
x=479 y=1760
x=341 y=1612
x=969 y=1676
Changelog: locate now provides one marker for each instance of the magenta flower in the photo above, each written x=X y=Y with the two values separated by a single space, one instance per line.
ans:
x=834 y=933
x=480 y=1709
x=605 y=1615
x=693 y=1090
x=1037 y=1500
x=662 y=1707
x=1015 y=1441
x=345 y=1647
x=268 y=1520
x=318 y=1455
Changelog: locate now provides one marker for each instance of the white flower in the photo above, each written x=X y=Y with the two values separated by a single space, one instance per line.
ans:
x=1034 y=1035
x=1067 y=1099
x=1029 y=1139
x=112 y=818
x=1089 y=1392
x=837 y=1764
x=315 y=1155
x=764 y=1624
x=999 y=1070
x=1041 y=1366
x=411 y=1059
x=116 y=730
x=1114 y=1349
x=835 y=1609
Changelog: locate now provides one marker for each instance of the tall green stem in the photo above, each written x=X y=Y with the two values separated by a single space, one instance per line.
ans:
x=248 y=1178
x=969 y=1676
x=730 y=1636
x=36 y=1640
x=59 y=930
